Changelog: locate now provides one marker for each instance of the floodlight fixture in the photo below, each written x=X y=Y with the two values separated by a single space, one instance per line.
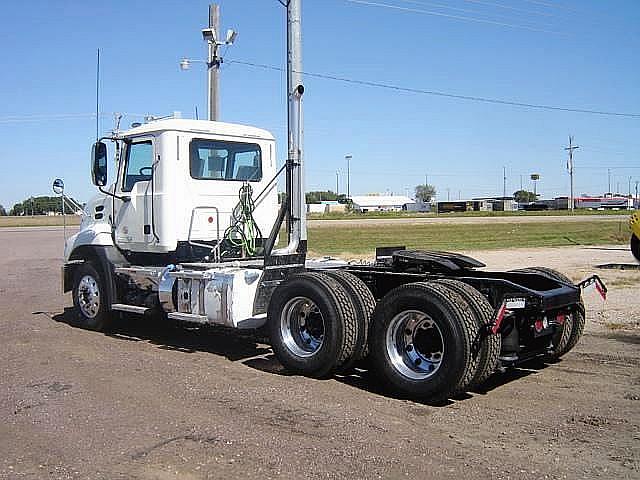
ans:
x=209 y=35
x=231 y=36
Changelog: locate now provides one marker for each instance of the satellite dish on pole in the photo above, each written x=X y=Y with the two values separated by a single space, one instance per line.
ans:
x=58 y=186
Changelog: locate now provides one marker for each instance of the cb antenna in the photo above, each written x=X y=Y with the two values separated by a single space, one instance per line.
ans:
x=98 y=95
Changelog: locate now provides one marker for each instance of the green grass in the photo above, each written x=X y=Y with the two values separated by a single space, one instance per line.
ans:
x=38 y=221
x=345 y=216
x=363 y=239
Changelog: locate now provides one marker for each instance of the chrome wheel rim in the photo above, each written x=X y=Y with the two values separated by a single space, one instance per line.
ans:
x=88 y=296
x=415 y=344
x=302 y=327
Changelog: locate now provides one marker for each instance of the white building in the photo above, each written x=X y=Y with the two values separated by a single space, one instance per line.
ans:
x=380 y=203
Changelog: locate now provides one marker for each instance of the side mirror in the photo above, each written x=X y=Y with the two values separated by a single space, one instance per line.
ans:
x=99 y=164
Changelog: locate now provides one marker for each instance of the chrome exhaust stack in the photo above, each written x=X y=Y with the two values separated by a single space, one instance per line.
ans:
x=296 y=215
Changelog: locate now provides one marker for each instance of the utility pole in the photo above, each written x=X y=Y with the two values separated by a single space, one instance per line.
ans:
x=504 y=182
x=520 y=182
x=609 y=175
x=448 y=194
x=570 y=149
x=348 y=159
x=426 y=179
x=637 y=198
x=213 y=62
x=337 y=183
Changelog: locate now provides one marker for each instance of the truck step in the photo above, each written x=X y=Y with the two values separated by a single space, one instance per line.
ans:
x=188 y=317
x=122 y=307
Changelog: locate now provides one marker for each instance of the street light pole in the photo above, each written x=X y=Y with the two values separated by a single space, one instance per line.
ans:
x=337 y=183
x=348 y=159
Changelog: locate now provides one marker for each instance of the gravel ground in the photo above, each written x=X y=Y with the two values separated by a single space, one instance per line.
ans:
x=148 y=402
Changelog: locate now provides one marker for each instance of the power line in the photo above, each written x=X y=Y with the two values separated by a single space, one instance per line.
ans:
x=58 y=116
x=447 y=15
x=442 y=94
x=545 y=4
x=478 y=2
x=509 y=7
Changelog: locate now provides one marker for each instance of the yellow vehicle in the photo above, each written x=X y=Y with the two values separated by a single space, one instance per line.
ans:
x=634 y=223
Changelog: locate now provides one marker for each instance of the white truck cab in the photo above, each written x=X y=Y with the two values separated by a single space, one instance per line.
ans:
x=176 y=169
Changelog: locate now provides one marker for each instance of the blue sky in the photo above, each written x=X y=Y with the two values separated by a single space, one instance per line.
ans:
x=571 y=53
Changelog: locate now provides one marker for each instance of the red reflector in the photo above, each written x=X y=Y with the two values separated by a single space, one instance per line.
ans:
x=560 y=318
x=499 y=317
x=210 y=219
x=601 y=291
x=539 y=325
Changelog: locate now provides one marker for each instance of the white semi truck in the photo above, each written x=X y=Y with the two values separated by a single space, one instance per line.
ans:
x=188 y=231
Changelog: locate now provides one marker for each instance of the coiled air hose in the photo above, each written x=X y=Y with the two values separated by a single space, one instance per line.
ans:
x=244 y=230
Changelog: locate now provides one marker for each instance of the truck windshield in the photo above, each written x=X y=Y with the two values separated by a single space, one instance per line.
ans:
x=221 y=160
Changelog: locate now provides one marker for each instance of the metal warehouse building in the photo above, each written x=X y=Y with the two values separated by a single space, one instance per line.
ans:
x=380 y=203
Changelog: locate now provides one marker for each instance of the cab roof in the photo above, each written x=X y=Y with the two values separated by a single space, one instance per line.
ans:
x=199 y=126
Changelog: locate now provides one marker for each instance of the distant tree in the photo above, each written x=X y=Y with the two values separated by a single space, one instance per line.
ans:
x=41 y=206
x=17 y=209
x=524 y=196
x=3 y=212
x=320 y=196
x=425 y=193
x=342 y=198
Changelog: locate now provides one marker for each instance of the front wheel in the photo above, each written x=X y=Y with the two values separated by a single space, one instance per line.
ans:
x=89 y=298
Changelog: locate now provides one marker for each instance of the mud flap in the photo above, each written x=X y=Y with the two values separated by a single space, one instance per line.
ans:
x=597 y=282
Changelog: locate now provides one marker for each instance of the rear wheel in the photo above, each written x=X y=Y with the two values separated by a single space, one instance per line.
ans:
x=89 y=298
x=312 y=324
x=421 y=340
x=364 y=303
x=573 y=326
x=635 y=246
x=487 y=348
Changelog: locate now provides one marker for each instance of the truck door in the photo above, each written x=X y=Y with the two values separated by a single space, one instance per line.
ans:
x=133 y=219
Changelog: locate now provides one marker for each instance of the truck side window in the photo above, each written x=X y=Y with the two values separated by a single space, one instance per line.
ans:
x=222 y=160
x=139 y=161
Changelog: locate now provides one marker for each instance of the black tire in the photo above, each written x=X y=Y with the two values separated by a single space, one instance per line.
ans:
x=446 y=318
x=364 y=303
x=489 y=348
x=573 y=326
x=90 y=299
x=635 y=246
x=297 y=308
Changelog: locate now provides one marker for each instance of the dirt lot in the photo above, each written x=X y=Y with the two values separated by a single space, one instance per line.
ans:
x=154 y=403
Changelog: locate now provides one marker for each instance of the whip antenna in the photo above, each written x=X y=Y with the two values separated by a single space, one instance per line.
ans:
x=98 y=95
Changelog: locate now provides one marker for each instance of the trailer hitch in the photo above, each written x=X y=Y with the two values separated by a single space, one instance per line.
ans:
x=597 y=282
